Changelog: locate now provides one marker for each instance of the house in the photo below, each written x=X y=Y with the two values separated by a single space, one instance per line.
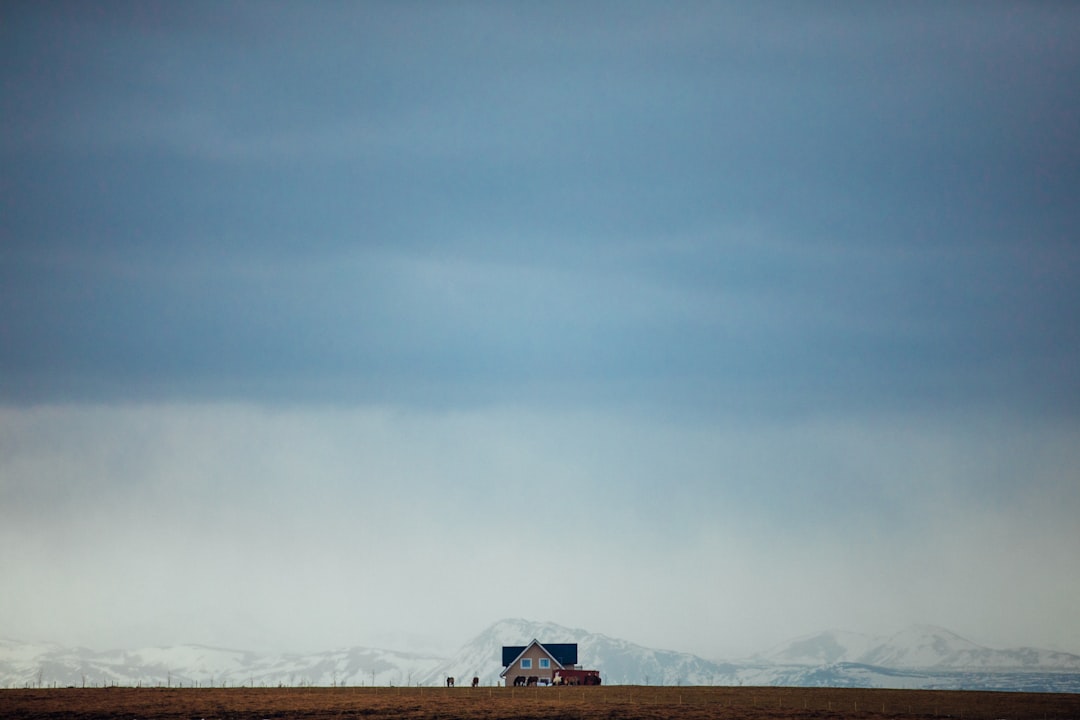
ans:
x=522 y=663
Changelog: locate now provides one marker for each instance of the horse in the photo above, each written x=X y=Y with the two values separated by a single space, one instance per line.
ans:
x=475 y=681
x=449 y=682
x=519 y=681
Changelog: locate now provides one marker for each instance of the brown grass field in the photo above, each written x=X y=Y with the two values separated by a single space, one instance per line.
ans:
x=623 y=702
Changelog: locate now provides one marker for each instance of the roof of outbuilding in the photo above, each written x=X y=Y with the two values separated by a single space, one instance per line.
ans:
x=563 y=653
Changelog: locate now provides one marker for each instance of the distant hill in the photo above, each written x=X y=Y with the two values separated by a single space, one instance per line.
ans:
x=23 y=664
x=620 y=662
x=917 y=657
x=917 y=647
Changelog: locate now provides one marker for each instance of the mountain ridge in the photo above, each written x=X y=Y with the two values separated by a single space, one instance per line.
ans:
x=917 y=647
x=920 y=656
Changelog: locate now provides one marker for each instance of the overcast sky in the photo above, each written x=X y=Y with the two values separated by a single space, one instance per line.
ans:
x=703 y=325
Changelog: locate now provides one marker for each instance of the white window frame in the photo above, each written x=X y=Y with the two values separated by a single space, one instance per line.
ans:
x=526 y=663
x=545 y=663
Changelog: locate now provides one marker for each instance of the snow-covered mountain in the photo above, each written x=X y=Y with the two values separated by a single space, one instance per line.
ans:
x=917 y=657
x=922 y=647
x=825 y=648
x=621 y=662
x=45 y=664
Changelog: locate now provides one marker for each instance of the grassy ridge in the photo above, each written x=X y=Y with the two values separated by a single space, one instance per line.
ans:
x=611 y=702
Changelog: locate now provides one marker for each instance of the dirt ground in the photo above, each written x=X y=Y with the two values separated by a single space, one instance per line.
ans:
x=606 y=703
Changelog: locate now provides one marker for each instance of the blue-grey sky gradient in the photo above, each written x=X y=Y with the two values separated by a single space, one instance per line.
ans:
x=730 y=292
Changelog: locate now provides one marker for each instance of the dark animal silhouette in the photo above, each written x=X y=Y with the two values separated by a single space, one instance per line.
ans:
x=519 y=681
x=449 y=682
x=475 y=681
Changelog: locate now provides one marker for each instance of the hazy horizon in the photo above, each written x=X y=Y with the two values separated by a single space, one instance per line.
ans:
x=409 y=643
x=705 y=326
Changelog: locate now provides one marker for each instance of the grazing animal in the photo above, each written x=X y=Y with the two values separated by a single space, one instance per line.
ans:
x=533 y=680
x=519 y=681
x=475 y=681
x=449 y=682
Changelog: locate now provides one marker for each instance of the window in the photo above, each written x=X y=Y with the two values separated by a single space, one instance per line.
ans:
x=545 y=664
x=526 y=663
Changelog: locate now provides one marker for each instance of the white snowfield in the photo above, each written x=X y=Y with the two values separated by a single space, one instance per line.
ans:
x=917 y=657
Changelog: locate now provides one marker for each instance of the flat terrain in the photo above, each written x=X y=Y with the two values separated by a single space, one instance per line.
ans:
x=614 y=702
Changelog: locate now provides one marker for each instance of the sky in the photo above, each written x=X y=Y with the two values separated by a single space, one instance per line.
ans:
x=703 y=325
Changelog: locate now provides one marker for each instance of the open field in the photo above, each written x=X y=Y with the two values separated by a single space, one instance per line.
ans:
x=612 y=702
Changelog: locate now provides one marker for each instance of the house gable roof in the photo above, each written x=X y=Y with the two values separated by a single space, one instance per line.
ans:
x=562 y=654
